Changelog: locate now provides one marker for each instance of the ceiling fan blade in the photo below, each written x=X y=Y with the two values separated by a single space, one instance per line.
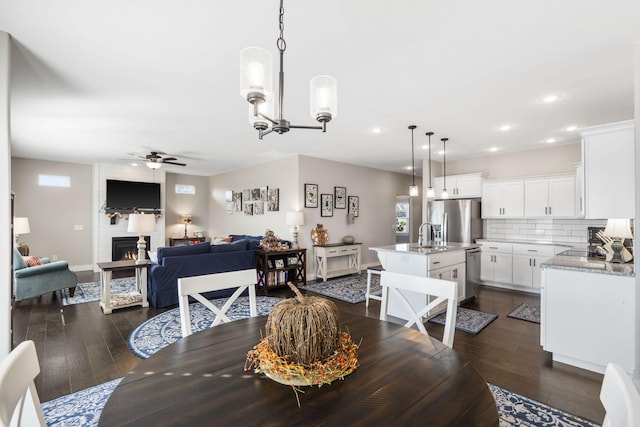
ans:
x=175 y=163
x=168 y=159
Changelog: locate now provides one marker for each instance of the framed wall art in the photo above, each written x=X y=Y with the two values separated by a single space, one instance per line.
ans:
x=273 y=203
x=340 y=197
x=311 y=195
x=237 y=201
x=258 y=208
x=354 y=205
x=264 y=193
x=326 y=201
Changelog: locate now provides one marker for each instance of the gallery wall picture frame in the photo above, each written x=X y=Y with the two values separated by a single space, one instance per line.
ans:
x=264 y=193
x=258 y=208
x=248 y=208
x=255 y=194
x=326 y=208
x=237 y=201
x=246 y=195
x=311 y=195
x=340 y=197
x=273 y=203
x=354 y=205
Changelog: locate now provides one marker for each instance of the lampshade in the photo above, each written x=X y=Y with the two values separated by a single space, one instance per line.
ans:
x=619 y=228
x=21 y=226
x=141 y=223
x=295 y=218
x=255 y=71
x=324 y=97
x=186 y=219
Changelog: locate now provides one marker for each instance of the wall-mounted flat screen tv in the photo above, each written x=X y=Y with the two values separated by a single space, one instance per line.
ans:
x=127 y=195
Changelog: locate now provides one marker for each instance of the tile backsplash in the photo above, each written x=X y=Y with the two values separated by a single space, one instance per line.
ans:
x=569 y=231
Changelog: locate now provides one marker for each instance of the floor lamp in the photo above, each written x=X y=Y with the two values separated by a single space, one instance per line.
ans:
x=141 y=224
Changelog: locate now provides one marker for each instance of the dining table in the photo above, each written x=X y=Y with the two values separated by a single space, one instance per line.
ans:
x=404 y=378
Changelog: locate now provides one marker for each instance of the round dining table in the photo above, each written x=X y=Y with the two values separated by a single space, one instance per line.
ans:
x=404 y=378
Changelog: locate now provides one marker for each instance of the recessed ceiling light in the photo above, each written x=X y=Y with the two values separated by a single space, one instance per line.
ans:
x=549 y=99
x=571 y=128
x=425 y=147
x=134 y=164
x=505 y=128
x=376 y=130
x=408 y=168
x=441 y=152
x=550 y=140
x=493 y=149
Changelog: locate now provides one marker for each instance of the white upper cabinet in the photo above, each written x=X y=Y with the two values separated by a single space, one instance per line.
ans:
x=459 y=186
x=503 y=199
x=551 y=197
x=608 y=159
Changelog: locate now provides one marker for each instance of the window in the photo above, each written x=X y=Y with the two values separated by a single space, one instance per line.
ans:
x=185 y=189
x=54 y=181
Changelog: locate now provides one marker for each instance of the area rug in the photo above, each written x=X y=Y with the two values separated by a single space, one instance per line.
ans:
x=528 y=312
x=349 y=289
x=90 y=291
x=164 y=329
x=84 y=407
x=467 y=320
x=517 y=410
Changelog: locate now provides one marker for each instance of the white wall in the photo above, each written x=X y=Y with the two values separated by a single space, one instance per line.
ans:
x=636 y=374
x=5 y=194
x=196 y=205
x=376 y=190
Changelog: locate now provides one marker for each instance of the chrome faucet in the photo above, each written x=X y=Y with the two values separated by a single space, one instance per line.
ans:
x=421 y=233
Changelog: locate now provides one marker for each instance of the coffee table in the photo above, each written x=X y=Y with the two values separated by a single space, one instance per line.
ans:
x=109 y=302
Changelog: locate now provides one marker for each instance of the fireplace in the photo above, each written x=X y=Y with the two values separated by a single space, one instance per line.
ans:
x=126 y=248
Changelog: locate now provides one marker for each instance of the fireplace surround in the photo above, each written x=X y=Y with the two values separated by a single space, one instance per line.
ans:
x=126 y=248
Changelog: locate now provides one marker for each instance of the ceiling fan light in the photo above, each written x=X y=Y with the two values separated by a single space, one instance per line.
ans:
x=324 y=98
x=255 y=73
x=153 y=165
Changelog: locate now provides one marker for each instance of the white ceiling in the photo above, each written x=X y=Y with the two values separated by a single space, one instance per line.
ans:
x=95 y=80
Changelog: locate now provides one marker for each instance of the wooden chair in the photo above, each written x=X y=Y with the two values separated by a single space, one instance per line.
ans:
x=196 y=285
x=620 y=398
x=19 y=401
x=439 y=291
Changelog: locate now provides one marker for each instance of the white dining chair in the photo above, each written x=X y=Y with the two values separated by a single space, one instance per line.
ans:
x=438 y=290
x=197 y=285
x=368 y=295
x=620 y=398
x=19 y=401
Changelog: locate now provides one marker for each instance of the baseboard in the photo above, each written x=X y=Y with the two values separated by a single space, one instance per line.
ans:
x=75 y=268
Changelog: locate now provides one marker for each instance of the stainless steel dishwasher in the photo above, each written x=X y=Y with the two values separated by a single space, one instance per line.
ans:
x=473 y=274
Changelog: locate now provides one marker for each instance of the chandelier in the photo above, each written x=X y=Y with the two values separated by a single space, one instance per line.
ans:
x=256 y=87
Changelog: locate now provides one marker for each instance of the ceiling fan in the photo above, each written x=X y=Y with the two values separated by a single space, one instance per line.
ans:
x=155 y=160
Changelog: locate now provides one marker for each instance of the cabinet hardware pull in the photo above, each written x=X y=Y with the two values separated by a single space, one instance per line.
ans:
x=549 y=210
x=534 y=262
x=529 y=262
x=532 y=250
x=455 y=273
x=545 y=210
x=493 y=247
x=436 y=262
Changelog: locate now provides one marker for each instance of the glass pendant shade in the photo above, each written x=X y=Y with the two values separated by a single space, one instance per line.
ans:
x=413 y=191
x=324 y=98
x=255 y=71
x=445 y=194
x=431 y=192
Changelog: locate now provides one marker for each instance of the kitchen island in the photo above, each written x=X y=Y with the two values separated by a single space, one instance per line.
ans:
x=588 y=311
x=442 y=261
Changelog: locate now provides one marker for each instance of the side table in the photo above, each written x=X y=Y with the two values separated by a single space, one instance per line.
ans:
x=108 y=303
x=349 y=254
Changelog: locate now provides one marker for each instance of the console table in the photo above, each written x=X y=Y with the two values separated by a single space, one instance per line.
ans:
x=276 y=268
x=350 y=255
x=109 y=302
x=183 y=241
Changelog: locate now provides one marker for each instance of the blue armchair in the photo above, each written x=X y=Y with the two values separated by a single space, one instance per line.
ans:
x=30 y=282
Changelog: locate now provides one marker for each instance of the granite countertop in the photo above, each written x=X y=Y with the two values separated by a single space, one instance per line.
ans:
x=413 y=248
x=588 y=265
x=527 y=242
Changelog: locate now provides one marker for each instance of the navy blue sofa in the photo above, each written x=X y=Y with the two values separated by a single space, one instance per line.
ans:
x=196 y=260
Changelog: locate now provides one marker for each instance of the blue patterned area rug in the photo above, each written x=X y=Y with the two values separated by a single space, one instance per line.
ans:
x=90 y=291
x=349 y=289
x=517 y=410
x=164 y=329
x=467 y=320
x=528 y=312
x=83 y=408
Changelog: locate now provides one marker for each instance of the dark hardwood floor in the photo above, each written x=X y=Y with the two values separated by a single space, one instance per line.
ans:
x=79 y=347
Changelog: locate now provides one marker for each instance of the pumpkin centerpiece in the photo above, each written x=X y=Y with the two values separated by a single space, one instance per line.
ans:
x=303 y=343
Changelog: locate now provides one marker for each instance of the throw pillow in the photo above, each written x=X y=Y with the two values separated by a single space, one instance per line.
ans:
x=32 y=261
x=221 y=240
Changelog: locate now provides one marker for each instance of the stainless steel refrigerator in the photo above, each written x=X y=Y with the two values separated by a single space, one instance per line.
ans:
x=459 y=221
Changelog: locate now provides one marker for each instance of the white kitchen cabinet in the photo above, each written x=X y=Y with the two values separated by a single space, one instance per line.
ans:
x=459 y=186
x=609 y=170
x=455 y=273
x=588 y=318
x=551 y=197
x=526 y=263
x=496 y=262
x=503 y=199
x=580 y=205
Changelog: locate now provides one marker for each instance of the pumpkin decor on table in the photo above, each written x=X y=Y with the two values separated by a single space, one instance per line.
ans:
x=271 y=242
x=320 y=235
x=304 y=345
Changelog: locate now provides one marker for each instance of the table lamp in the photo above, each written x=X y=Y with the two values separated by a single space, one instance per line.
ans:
x=295 y=219
x=618 y=229
x=186 y=219
x=141 y=223
x=20 y=226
